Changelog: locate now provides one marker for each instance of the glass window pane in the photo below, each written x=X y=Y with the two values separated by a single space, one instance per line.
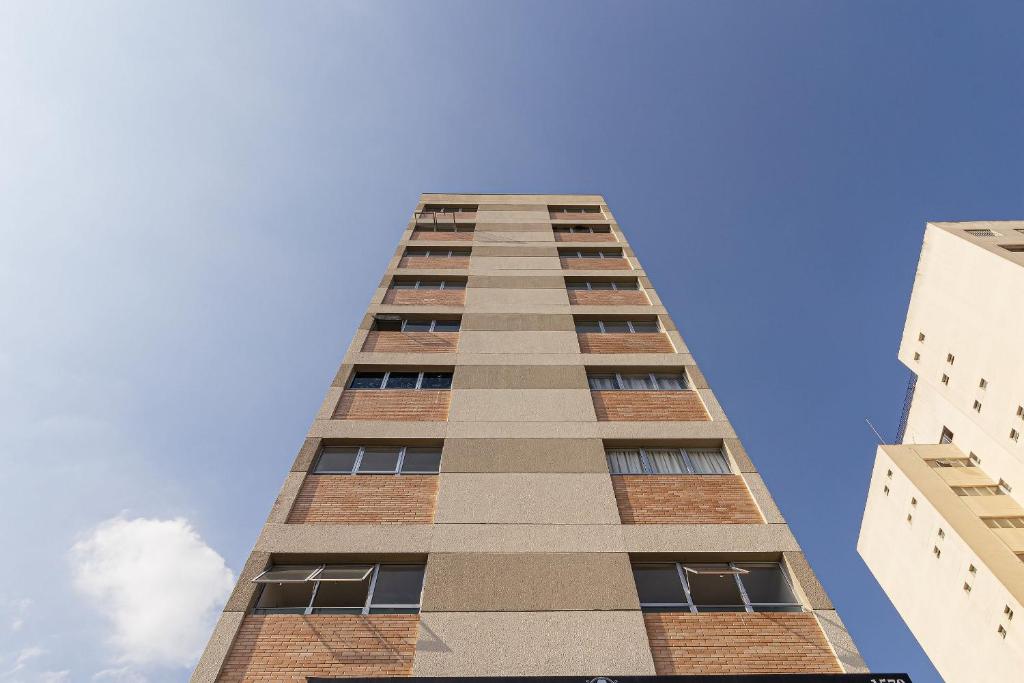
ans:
x=714 y=590
x=345 y=572
x=708 y=461
x=427 y=460
x=588 y=326
x=561 y=228
x=601 y=286
x=617 y=326
x=287 y=573
x=333 y=460
x=350 y=595
x=289 y=598
x=430 y=284
x=380 y=459
x=590 y=254
x=766 y=583
x=637 y=382
x=403 y=284
x=629 y=286
x=658 y=583
x=402 y=380
x=576 y=286
x=388 y=325
x=417 y=325
x=624 y=461
x=446 y=326
x=437 y=380
x=581 y=229
x=602 y=382
x=645 y=326
x=398 y=584
x=666 y=461
x=367 y=380
x=671 y=382
x=455 y=284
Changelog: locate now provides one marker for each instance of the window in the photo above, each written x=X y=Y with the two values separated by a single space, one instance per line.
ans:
x=950 y=358
x=885 y=490
x=942 y=534
x=1020 y=230
x=972 y=569
x=642 y=381
x=945 y=380
x=451 y=227
x=913 y=502
x=449 y=208
x=967 y=587
x=888 y=474
x=1016 y=248
x=618 y=326
x=397 y=324
x=977 y=406
x=920 y=336
x=428 y=284
x=973 y=460
x=946 y=436
x=977 y=490
x=437 y=253
x=574 y=209
x=1007 y=612
x=726 y=587
x=983 y=383
x=1004 y=487
x=401 y=380
x=667 y=461
x=1001 y=631
x=1020 y=411
x=1004 y=522
x=581 y=229
x=917 y=356
x=910 y=518
x=1014 y=435
x=340 y=589
x=590 y=253
x=378 y=460
x=936 y=552
x=950 y=462
x=982 y=232
x=602 y=285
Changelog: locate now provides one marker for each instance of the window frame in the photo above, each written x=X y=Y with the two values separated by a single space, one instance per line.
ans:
x=427 y=252
x=652 y=376
x=417 y=284
x=993 y=522
x=387 y=374
x=977 y=490
x=737 y=571
x=445 y=228
x=601 y=253
x=629 y=325
x=360 y=451
x=433 y=325
x=368 y=605
x=648 y=469
x=590 y=286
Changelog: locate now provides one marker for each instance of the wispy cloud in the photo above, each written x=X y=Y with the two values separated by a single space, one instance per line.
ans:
x=157 y=584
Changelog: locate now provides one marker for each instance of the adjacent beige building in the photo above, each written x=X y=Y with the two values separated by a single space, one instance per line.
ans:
x=943 y=528
x=519 y=469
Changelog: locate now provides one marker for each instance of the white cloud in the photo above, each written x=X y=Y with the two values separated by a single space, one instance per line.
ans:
x=62 y=676
x=158 y=584
x=123 y=675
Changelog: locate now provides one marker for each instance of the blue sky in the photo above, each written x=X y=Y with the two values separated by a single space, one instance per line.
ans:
x=197 y=199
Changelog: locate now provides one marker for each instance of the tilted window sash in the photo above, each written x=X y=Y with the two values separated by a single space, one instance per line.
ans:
x=703 y=461
x=424 y=380
x=653 y=381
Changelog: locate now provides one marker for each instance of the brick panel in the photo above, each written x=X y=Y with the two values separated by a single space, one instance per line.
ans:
x=431 y=236
x=402 y=405
x=606 y=297
x=365 y=499
x=426 y=297
x=684 y=499
x=286 y=648
x=585 y=237
x=411 y=342
x=595 y=264
x=435 y=262
x=615 y=342
x=738 y=642
x=649 y=406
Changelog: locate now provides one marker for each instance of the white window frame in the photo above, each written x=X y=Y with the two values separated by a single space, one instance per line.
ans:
x=357 y=463
x=629 y=325
x=620 y=384
x=737 y=570
x=387 y=374
x=648 y=468
x=367 y=605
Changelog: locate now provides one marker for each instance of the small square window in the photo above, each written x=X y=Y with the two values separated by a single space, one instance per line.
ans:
x=1014 y=435
x=889 y=474
x=1001 y=631
x=945 y=380
x=910 y=519
x=1008 y=613
x=977 y=406
x=1020 y=411
x=936 y=552
x=913 y=502
x=972 y=569
x=885 y=490
x=920 y=336
x=983 y=383
x=967 y=587
x=942 y=534
x=950 y=358
x=917 y=356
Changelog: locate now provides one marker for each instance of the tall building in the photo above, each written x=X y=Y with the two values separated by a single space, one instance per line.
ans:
x=943 y=530
x=520 y=470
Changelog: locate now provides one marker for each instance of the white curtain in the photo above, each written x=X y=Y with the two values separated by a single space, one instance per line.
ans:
x=671 y=382
x=636 y=382
x=666 y=461
x=624 y=462
x=708 y=461
x=603 y=382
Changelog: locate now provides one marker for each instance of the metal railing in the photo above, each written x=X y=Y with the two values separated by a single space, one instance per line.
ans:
x=907 y=400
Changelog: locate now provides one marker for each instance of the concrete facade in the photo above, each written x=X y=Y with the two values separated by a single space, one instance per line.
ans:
x=931 y=533
x=529 y=540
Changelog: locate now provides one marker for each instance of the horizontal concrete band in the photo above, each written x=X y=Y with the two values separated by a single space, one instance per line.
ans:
x=508 y=250
x=489 y=455
x=518 y=428
x=520 y=377
x=528 y=582
x=526 y=538
x=517 y=282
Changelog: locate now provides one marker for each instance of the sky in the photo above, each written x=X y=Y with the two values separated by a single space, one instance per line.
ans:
x=197 y=200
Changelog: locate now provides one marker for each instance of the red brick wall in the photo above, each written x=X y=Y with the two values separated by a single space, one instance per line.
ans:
x=432 y=236
x=426 y=297
x=684 y=499
x=606 y=297
x=285 y=648
x=649 y=406
x=738 y=642
x=439 y=262
x=595 y=264
x=411 y=342
x=585 y=237
x=404 y=405
x=614 y=342
x=365 y=499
